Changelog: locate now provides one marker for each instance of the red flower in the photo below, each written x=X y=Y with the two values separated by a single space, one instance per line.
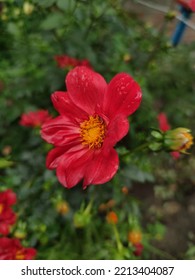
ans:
x=164 y=126
x=189 y=4
x=11 y=249
x=7 y=216
x=138 y=249
x=93 y=118
x=64 y=61
x=163 y=122
x=35 y=119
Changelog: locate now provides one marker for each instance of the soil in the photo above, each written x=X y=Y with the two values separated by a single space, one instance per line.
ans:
x=178 y=217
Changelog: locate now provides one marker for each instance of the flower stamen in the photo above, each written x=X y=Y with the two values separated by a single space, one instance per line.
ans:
x=1 y=208
x=20 y=255
x=92 y=132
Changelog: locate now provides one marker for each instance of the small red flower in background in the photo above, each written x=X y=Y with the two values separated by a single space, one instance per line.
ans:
x=93 y=118
x=189 y=4
x=164 y=126
x=138 y=249
x=11 y=249
x=7 y=216
x=163 y=122
x=35 y=119
x=64 y=61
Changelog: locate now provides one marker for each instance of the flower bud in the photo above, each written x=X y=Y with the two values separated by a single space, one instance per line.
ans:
x=28 y=8
x=125 y=190
x=135 y=236
x=63 y=207
x=111 y=203
x=20 y=234
x=112 y=217
x=81 y=219
x=179 y=139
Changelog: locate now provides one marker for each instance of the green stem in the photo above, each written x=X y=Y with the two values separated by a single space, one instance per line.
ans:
x=118 y=242
x=141 y=147
x=89 y=206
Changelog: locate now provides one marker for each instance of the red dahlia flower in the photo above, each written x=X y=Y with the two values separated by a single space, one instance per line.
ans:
x=35 y=119
x=11 y=249
x=93 y=118
x=7 y=216
x=189 y=4
x=64 y=61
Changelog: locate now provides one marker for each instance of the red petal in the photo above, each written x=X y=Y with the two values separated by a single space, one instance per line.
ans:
x=102 y=168
x=123 y=97
x=11 y=197
x=54 y=156
x=117 y=129
x=57 y=154
x=192 y=4
x=71 y=168
x=29 y=253
x=4 y=229
x=86 y=88
x=64 y=106
x=60 y=131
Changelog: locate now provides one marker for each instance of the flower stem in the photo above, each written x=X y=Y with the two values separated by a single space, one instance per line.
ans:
x=118 y=242
x=89 y=206
x=139 y=148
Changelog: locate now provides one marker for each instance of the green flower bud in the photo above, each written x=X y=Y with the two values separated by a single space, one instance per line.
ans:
x=179 y=139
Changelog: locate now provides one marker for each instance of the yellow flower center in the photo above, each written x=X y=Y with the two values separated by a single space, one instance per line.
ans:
x=1 y=208
x=92 y=132
x=20 y=255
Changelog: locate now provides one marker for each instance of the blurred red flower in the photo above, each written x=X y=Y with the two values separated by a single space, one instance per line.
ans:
x=163 y=122
x=138 y=249
x=189 y=4
x=93 y=118
x=11 y=249
x=164 y=126
x=7 y=216
x=64 y=61
x=35 y=119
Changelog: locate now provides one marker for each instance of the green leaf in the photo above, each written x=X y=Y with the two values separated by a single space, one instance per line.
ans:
x=4 y=163
x=44 y=3
x=52 y=21
x=157 y=134
x=67 y=5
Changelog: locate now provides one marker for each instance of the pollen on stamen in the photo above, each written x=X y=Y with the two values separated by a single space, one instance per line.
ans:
x=92 y=132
